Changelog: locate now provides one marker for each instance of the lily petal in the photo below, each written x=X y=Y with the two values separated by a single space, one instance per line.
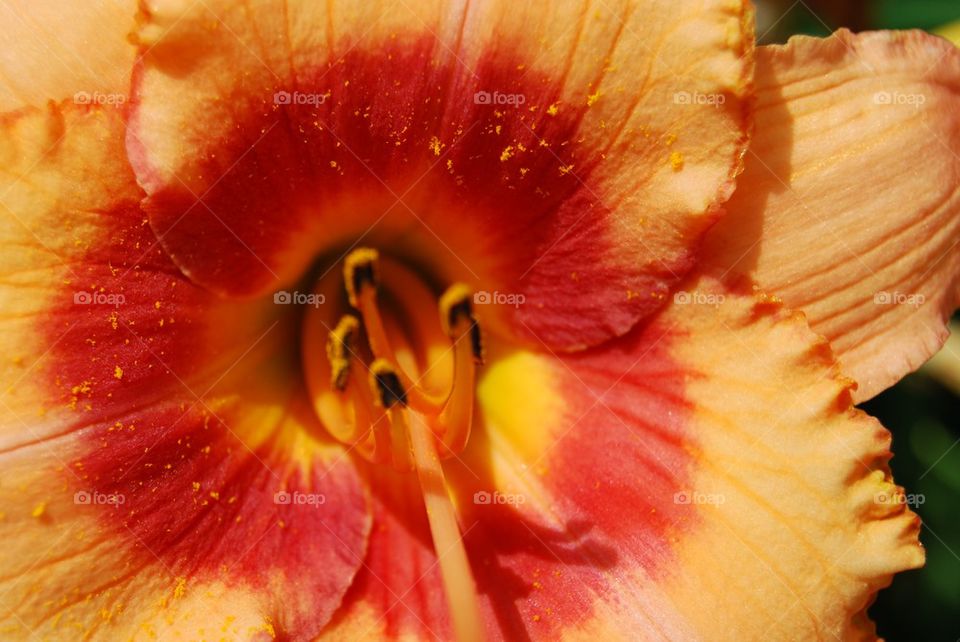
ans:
x=302 y=126
x=704 y=477
x=146 y=426
x=849 y=207
x=52 y=50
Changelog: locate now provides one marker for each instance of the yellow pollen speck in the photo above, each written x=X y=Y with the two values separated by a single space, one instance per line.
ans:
x=214 y=494
x=156 y=304
x=676 y=161
x=113 y=320
x=435 y=146
x=497 y=129
x=333 y=164
x=670 y=140
x=593 y=98
x=566 y=169
x=506 y=153
x=268 y=628
x=553 y=109
x=524 y=170
x=449 y=164
x=39 y=509
x=118 y=372
x=536 y=618
x=196 y=486
x=180 y=588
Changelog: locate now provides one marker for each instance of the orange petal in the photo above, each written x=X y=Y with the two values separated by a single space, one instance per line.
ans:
x=849 y=207
x=147 y=427
x=54 y=50
x=705 y=477
x=567 y=157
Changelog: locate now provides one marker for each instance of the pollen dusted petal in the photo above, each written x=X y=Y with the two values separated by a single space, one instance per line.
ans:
x=148 y=388
x=849 y=207
x=706 y=477
x=337 y=120
x=51 y=50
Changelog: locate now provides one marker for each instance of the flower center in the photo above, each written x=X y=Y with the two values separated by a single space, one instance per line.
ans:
x=388 y=390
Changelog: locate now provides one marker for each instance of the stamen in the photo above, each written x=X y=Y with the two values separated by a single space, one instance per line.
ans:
x=391 y=395
x=346 y=378
x=360 y=271
x=458 y=582
x=386 y=382
x=392 y=419
x=361 y=275
x=340 y=345
x=456 y=316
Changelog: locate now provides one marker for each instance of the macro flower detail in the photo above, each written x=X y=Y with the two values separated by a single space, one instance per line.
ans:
x=440 y=320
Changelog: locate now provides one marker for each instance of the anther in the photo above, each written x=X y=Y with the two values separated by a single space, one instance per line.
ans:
x=340 y=346
x=361 y=271
x=385 y=381
x=456 y=317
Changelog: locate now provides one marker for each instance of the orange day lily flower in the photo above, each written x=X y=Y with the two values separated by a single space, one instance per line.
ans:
x=460 y=320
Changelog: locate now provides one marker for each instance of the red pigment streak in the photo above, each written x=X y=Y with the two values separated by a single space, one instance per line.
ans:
x=320 y=175
x=131 y=307
x=151 y=440
x=612 y=478
x=198 y=499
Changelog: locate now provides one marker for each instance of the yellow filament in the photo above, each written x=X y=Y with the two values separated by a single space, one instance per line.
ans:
x=456 y=418
x=456 y=317
x=458 y=582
